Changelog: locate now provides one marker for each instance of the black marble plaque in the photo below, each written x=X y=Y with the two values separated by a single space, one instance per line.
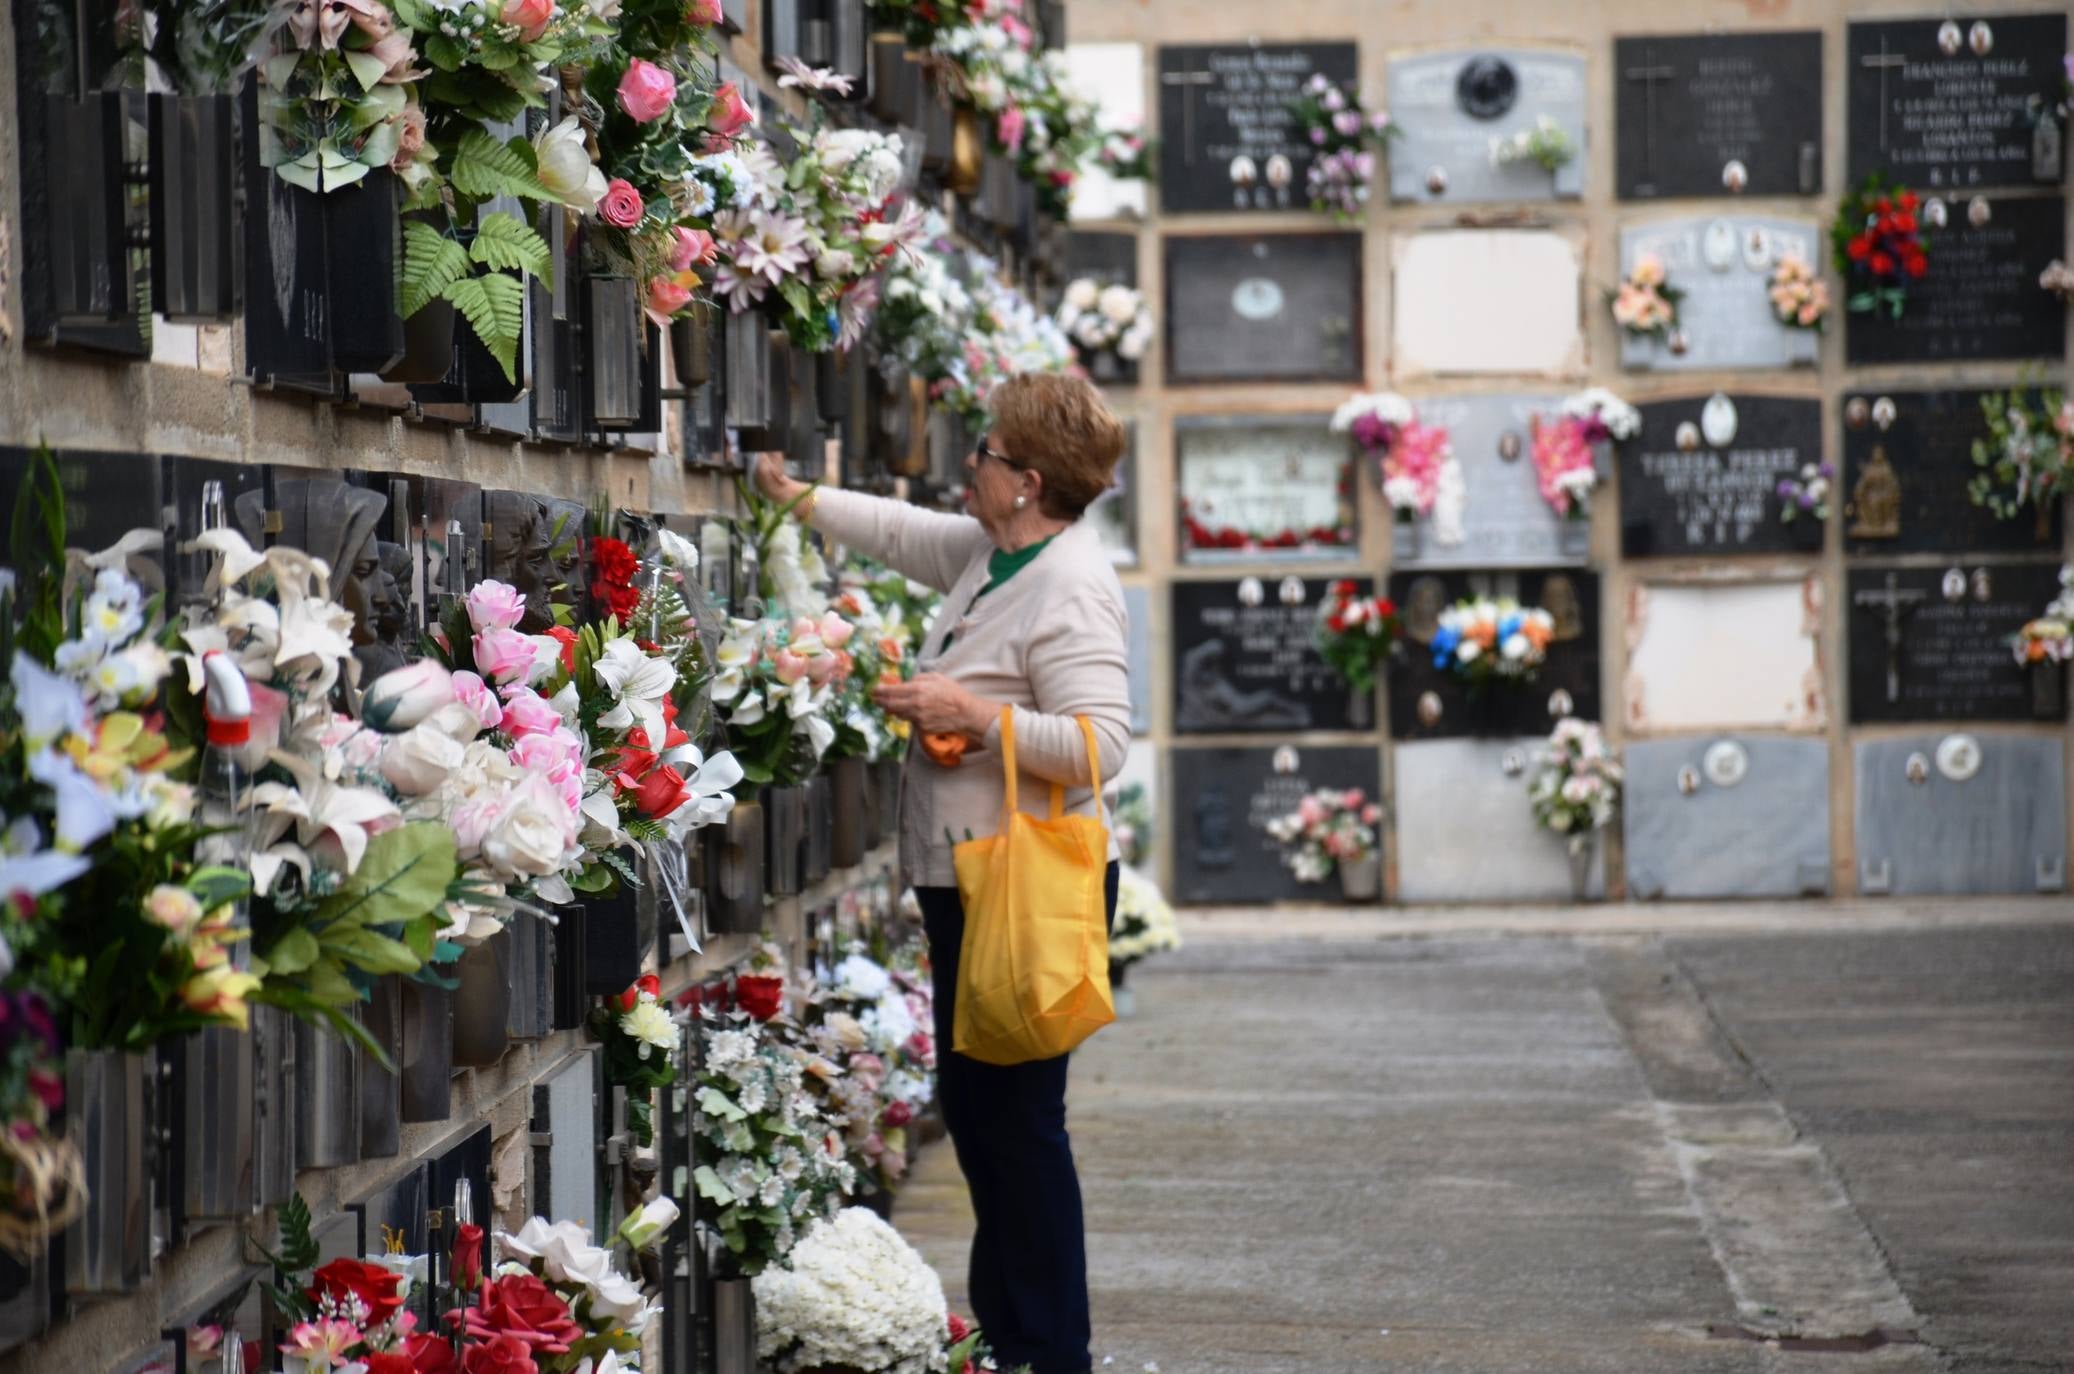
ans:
x=287 y=329
x=1221 y=804
x=1927 y=447
x=1570 y=596
x=1952 y=660
x=1935 y=119
x=184 y=482
x=1107 y=257
x=1219 y=103
x=1689 y=105
x=1285 y=307
x=106 y=496
x=1710 y=499
x=1981 y=298
x=1255 y=669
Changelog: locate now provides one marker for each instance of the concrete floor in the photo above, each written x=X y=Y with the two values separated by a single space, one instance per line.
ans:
x=1755 y=1138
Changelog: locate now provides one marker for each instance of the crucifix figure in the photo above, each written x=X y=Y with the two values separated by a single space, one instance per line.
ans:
x=1188 y=99
x=1649 y=73
x=1891 y=603
x=1883 y=62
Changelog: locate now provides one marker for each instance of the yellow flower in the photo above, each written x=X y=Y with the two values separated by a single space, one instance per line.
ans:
x=220 y=993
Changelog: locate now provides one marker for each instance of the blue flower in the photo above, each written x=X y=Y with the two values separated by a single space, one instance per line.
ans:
x=1444 y=641
x=1508 y=627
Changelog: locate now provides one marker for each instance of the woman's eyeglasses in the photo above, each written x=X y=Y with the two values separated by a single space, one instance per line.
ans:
x=1003 y=459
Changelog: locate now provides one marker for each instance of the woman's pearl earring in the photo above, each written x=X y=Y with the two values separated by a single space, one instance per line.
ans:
x=1021 y=501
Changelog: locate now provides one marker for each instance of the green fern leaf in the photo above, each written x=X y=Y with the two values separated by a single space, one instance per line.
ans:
x=495 y=307
x=483 y=168
x=432 y=263
x=503 y=242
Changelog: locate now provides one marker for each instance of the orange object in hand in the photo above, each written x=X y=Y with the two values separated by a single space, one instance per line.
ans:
x=944 y=750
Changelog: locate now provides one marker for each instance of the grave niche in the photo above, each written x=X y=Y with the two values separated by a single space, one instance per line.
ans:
x=1506 y=523
x=1718 y=114
x=1960 y=814
x=1908 y=456
x=1724 y=265
x=1246 y=660
x=1683 y=795
x=1114 y=513
x=1453 y=106
x=1933 y=643
x=1228 y=138
x=1955 y=103
x=1429 y=703
x=1717 y=655
x=1262 y=487
x=1465 y=830
x=1285 y=308
x=1137 y=606
x=1981 y=297
x=1682 y=493
x=1474 y=302
x=1222 y=802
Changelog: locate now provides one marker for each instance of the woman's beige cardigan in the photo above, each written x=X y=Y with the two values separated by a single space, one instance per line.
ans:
x=1049 y=642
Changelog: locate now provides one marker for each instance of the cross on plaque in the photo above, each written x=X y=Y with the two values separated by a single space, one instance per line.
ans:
x=1185 y=80
x=1890 y=602
x=1883 y=62
x=1649 y=74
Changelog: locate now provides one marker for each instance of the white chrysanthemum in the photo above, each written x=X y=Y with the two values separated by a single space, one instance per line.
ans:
x=650 y=1024
x=855 y=1295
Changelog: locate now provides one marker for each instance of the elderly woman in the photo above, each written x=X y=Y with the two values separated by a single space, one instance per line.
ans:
x=1033 y=618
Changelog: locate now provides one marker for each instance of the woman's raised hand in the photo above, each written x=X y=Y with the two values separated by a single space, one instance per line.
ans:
x=772 y=479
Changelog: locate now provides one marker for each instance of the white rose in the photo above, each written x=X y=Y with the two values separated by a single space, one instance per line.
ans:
x=530 y=833
x=1515 y=646
x=1082 y=294
x=418 y=761
x=1119 y=303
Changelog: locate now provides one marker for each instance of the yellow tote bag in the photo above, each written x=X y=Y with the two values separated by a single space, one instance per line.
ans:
x=1033 y=974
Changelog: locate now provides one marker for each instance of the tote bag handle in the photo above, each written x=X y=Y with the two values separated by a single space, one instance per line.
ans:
x=1058 y=791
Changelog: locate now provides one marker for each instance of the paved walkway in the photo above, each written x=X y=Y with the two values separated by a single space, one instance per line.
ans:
x=1511 y=1140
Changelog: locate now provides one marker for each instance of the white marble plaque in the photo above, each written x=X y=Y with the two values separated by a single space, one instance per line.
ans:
x=1481 y=301
x=1465 y=831
x=1453 y=105
x=1506 y=522
x=1684 y=795
x=1724 y=265
x=1725 y=655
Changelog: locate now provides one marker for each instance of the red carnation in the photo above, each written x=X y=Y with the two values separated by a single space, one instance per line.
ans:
x=1917 y=264
x=1908 y=200
x=959 y=1327
x=759 y=994
x=520 y=1305
x=373 y=1284
x=1904 y=223
x=1386 y=607
x=503 y=1355
x=898 y=1114
x=647 y=983
x=1882 y=263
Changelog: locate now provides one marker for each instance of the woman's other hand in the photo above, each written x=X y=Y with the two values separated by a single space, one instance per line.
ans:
x=937 y=706
x=773 y=481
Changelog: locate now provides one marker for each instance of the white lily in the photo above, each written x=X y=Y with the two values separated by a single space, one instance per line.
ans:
x=640 y=682
x=236 y=558
x=319 y=809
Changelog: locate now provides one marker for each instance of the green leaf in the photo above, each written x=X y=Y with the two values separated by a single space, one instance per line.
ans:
x=215 y=885
x=295 y=952
x=503 y=242
x=483 y=168
x=402 y=876
x=717 y=1103
x=445 y=53
x=432 y=262
x=368 y=950
x=710 y=1186
x=495 y=307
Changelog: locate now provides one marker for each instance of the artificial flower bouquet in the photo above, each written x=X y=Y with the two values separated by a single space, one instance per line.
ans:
x=1645 y=304
x=2027 y=455
x=1878 y=246
x=1575 y=786
x=2050 y=637
x=1484 y=639
x=1420 y=474
x=1330 y=827
x=1799 y=297
x=1102 y=320
x=1126 y=154
x=863 y=728
x=876 y=1027
x=1356 y=634
x=1807 y=493
x=778 y=680
x=1344 y=139
x=640 y=1038
x=1544 y=144
x=853 y=1295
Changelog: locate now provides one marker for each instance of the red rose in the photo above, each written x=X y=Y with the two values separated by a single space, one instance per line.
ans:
x=429 y=1354
x=565 y=637
x=1883 y=205
x=521 y=1305
x=761 y=995
x=1859 y=247
x=1904 y=223
x=389 y=1362
x=1386 y=607
x=1917 y=264
x=898 y=1114
x=1908 y=200
x=373 y=1284
x=467 y=1262
x=661 y=792
x=1882 y=263
x=503 y=1355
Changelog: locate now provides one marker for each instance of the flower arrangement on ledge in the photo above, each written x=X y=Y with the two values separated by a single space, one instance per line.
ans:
x=1807 y=494
x=1356 y=634
x=1111 y=320
x=1878 y=246
x=1645 y=304
x=876 y=1022
x=1545 y=145
x=2050 y=637
x=854 y=1295
x=1345 y=139
x=1420 y=474
x=1031 y=112
x=2027 y=454
x=1575 y=786
x=1564 y=447
x=1483 y=640
x=640 y=1043
x=1329 y=828
x=1799 y=297
x=1126 y=154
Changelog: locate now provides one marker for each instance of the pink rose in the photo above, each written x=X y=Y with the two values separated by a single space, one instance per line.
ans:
x=820 y=668
x=730 y=114
x=646 y=91
x=469 y=824
x=706 y=12
x=530 y=17
x=504 y=655
x=410 y=137
x=471 y=691
x=694 y=249
x=835 y=631
x=495 y=606
x=666 y=298
x=375 y=21
x=526 y=712
x=1008 y=127
x=790 y=667
x=396 y=56
x=621 y=204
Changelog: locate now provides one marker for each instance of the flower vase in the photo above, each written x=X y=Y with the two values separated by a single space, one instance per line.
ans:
x=1574 y=532
x=425 y=1073
x=874 y=812
x=968 y=153
x=109 y=1120
x=2048 y=694
x=1125 y=1000
x=886 y=776
x=428 y=345
x=193 y=257
x=1361 y=880
x=785 y=839
x=217 y=1102
x=1806 y=531
x=1361 y=706
x=327 y=1097
x=849 y=783
x=482 y=1003
x=381 y=1124
x=691 y=346
x=820 y=829
x=1583 y=849
x=734 y=1327
x=1407 y=537
x=735 y=870
x=832 y=385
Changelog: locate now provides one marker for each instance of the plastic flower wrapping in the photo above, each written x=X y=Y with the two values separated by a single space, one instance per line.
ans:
x=1105 y=319
x=1575 y=786
x=1329 y=827
x=2050 y=637
x=1345 y=139
x=875 y=1021
x=1483 y=639
x=852 y=1295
